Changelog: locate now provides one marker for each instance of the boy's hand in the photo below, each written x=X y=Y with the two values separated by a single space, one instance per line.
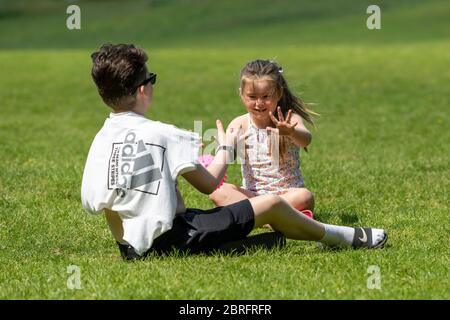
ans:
x=232 y=137
x=283 y=126
x=221 y=136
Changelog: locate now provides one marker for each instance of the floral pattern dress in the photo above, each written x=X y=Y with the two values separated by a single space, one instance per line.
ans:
x=263 y=172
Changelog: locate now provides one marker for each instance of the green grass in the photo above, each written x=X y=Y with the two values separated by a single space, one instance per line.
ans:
x=379 y=157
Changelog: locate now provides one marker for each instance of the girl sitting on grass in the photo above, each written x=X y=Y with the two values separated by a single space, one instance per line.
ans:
x=275 y=133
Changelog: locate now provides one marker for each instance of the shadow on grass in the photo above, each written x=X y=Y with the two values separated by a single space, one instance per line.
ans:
x=346 y=218
x=267 y=241
x=262 y=241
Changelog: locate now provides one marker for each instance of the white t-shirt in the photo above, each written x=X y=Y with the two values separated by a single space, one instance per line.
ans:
x=132 y=168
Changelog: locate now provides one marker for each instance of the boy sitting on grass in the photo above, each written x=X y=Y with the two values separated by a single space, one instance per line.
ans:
x=133 y=164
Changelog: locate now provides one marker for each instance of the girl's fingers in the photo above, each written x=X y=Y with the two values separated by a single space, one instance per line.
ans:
x=293 y=125
x=289 y=115
x=274 y=120
x=280 y=115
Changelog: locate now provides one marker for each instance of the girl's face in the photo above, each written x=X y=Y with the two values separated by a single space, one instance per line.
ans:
x=259 y=97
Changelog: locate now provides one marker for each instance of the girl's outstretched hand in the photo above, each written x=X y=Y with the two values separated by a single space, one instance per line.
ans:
x=283 y=126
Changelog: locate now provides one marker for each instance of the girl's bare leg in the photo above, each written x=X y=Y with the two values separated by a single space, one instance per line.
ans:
x=299 y=198
x=229 y=194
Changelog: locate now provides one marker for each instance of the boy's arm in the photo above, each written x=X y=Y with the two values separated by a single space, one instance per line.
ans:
x=206 y=180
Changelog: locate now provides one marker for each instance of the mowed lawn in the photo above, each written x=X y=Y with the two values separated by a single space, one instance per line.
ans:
x=379 y=157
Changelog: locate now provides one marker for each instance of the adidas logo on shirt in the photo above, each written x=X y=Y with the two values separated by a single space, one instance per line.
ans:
x=132 y=166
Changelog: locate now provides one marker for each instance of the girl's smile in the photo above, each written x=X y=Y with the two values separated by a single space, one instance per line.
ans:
x=260 y=98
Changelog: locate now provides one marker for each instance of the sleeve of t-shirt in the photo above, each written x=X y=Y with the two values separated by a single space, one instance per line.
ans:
x=182 y=151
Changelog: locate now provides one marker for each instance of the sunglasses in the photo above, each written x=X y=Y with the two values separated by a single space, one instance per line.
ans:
x=151 y=77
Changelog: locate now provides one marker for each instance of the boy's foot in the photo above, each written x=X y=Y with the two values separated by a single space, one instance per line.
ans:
x=342 y=237
x=370 y=238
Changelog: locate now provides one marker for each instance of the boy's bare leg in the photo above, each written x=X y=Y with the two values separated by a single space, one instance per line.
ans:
x=274 y=210
x=228 y=194
x=299 y=198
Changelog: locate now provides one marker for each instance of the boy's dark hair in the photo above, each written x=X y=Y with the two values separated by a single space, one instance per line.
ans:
x=117 y=71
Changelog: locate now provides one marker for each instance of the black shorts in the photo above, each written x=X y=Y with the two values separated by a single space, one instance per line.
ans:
x=198 y=230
